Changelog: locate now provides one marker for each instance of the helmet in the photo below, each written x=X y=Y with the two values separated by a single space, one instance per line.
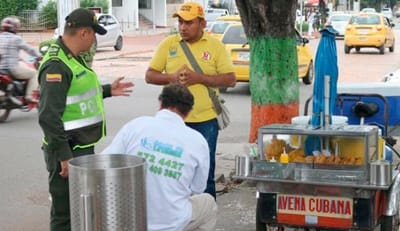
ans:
x=10 y=23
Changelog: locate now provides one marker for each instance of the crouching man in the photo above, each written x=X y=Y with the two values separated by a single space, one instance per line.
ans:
x=177 y=161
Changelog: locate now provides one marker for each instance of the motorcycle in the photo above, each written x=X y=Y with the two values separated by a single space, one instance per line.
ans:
x=12 y=91
x=12 y=94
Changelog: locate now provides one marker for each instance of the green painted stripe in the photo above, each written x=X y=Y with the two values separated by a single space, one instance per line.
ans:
x=273 y=71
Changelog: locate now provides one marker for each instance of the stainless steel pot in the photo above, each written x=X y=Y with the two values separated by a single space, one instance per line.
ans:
x=243 y=165
x=380 y=173
x=107 y=192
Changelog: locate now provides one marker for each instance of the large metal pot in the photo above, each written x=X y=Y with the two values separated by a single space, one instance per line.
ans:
x=107 y=192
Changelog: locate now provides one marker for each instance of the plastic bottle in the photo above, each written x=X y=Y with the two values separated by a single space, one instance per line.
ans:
x=284 y=158
x=388 y=154
x=381 y=145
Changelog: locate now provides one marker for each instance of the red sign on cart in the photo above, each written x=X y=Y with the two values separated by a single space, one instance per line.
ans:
x=335 y=212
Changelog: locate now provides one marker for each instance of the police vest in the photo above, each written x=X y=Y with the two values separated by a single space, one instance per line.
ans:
x=83 y=118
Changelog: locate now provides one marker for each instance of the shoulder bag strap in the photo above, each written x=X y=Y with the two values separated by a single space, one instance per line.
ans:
x=190 y=57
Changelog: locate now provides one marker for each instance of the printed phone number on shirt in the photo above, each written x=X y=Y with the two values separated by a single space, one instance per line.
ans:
x=163 y=166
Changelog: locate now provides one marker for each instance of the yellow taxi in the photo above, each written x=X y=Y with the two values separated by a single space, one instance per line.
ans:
x=234 y=17
x=369 y=30
x=235 y=41
x=217 y=27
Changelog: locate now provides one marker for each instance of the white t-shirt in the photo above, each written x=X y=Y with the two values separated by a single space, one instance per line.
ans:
x=177 y=162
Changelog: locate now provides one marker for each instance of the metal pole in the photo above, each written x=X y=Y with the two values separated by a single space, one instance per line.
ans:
x=154 y=14
x=301 y=17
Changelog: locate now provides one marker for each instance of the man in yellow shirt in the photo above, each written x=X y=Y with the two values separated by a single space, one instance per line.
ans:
x=170 y=65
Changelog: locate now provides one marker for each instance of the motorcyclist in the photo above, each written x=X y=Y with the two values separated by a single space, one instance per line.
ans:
x=10 y=45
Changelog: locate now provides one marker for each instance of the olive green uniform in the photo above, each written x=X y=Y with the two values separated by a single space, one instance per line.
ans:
x=56 y=78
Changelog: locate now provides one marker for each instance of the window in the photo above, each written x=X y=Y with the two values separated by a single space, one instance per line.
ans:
x=110 y=20
x=219 y=28
x=102 y=20
x=145 y=4
x=116 y=2
x=235 y=35
x=365 y=20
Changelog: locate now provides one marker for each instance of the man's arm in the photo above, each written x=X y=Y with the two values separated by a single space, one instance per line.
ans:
x=54 y=82
x=158 y=78
x=188 y=77
x=218 y=80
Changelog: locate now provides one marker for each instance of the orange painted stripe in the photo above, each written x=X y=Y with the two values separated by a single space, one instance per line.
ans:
x=300 y=220
x=262 y=115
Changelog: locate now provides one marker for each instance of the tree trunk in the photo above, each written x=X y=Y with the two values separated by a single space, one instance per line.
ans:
x=274 y=83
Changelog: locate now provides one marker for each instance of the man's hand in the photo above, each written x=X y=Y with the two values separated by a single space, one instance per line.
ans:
x=188 y=77
x=121 y=88
x=64 y=168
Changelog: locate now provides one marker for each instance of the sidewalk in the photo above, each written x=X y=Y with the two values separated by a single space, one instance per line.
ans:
x=135 y=42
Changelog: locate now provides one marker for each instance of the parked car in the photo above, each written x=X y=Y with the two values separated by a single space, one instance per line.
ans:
x=217 y=28
x=369 y=30
x=113 y=37
x=339 y=21
x=229 y=18
x=387 y=12
x=237 y=46
x=211 y=14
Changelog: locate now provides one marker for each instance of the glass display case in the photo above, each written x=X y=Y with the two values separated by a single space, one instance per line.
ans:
x=331 y=155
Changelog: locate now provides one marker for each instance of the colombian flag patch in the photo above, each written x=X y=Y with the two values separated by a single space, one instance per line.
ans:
x=53 y=78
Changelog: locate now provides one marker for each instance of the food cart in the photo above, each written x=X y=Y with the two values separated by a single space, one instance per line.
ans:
x=331 y=178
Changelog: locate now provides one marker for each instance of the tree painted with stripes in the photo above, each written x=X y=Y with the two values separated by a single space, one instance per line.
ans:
x=274 y=83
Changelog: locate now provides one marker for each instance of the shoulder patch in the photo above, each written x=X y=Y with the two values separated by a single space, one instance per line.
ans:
x=54 y=78
x=53 y=50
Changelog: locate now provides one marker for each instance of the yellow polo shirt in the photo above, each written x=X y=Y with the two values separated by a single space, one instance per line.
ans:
x=213 y=59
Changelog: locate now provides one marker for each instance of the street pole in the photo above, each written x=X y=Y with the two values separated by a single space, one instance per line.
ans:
x=301 y=17
x=154 y=14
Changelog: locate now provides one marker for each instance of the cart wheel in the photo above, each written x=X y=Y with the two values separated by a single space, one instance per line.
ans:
x=260 y=226
x=390 y=223
x=275 y=228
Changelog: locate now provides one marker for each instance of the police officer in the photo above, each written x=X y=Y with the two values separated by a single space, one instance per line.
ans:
x=71 y=112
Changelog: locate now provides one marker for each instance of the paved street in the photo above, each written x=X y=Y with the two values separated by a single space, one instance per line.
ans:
x=24 y=200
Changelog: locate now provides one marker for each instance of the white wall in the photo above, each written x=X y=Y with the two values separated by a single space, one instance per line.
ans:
x=127 y=15
x=160 y=13
x=64 y=7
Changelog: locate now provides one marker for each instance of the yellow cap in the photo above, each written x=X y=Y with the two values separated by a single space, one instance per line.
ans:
x=189 y=11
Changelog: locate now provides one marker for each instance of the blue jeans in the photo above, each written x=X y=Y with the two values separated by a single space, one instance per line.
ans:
x=209 y=129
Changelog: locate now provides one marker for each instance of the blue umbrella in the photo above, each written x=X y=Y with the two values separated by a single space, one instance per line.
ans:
x=325 y=65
